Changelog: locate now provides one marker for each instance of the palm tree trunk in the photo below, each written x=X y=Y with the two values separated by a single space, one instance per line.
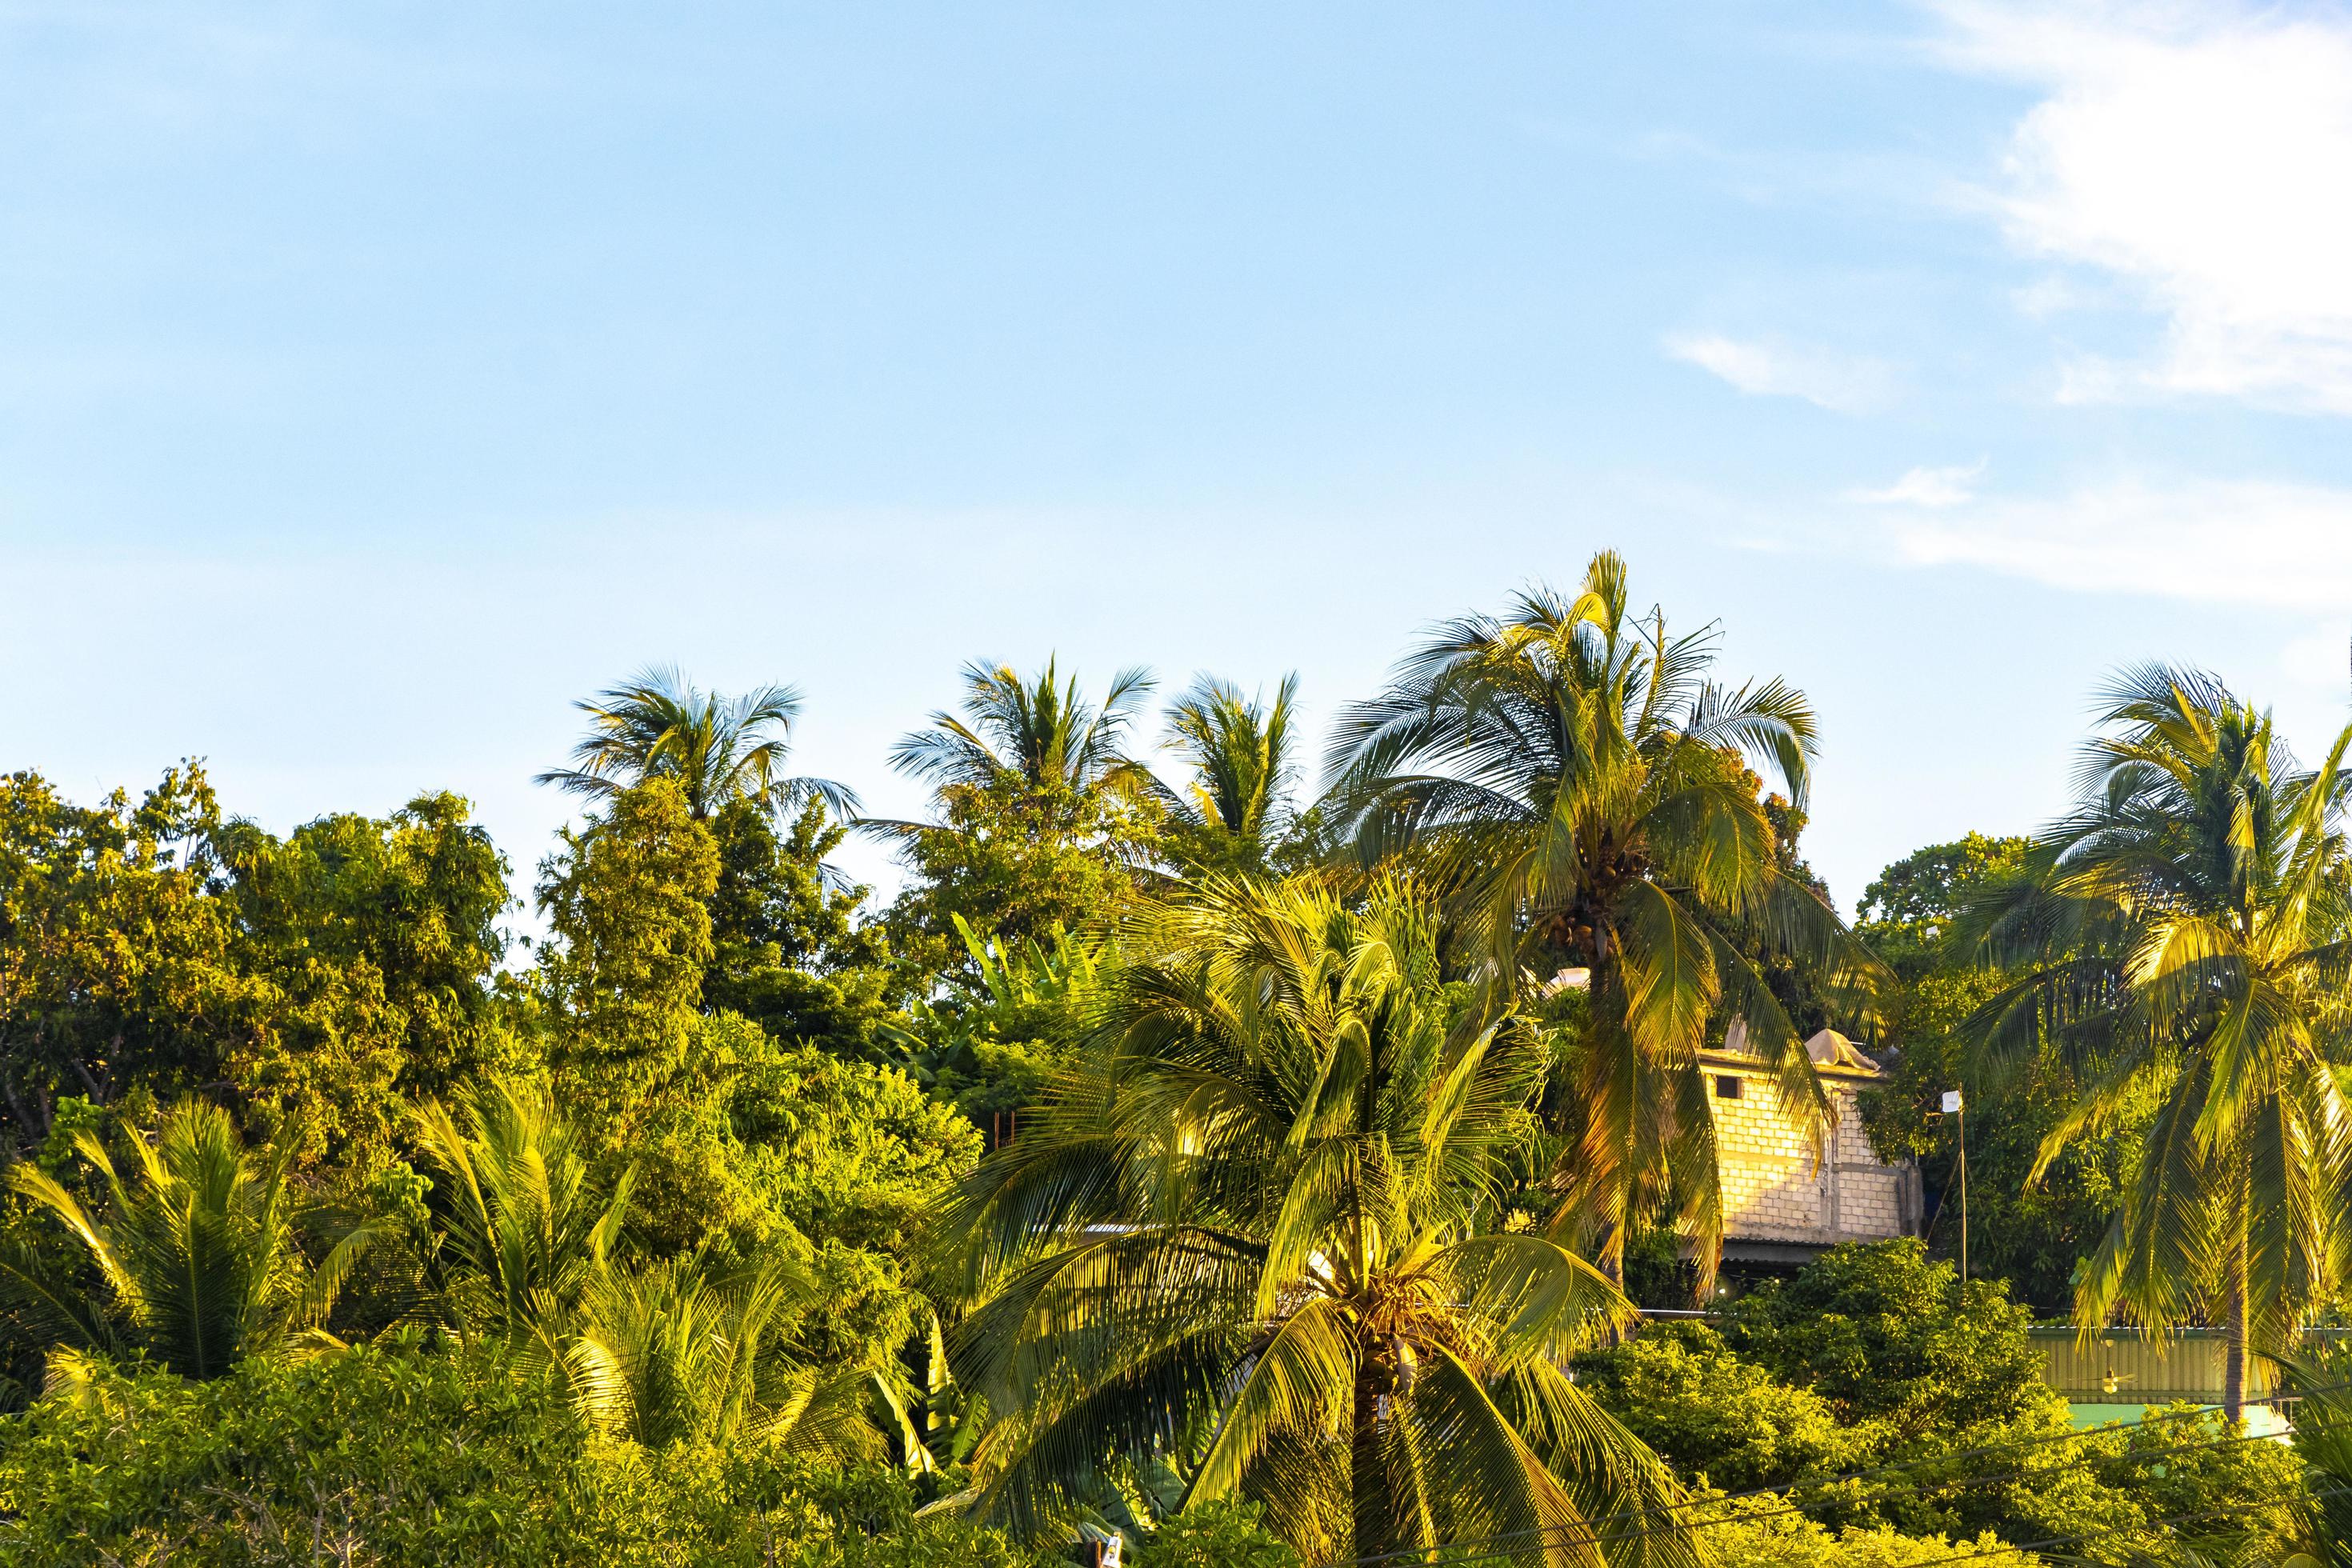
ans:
x=2233 y=1363
x=1367 y=1477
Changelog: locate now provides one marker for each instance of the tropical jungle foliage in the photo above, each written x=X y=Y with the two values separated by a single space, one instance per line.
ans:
x=1252 y=1169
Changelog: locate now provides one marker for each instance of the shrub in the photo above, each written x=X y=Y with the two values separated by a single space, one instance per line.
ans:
x=1728 y=1422
x=394 y=1455
x=1216 y=1535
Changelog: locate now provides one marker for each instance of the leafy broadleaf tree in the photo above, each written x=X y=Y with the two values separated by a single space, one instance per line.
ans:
x=413 y=899
x=787 y=950
x=2186 y=929
x=1254 y=1235
x=1577 y=788
x=627 y=899
x=660 y=725
x=117 y=960
x=198 y=1252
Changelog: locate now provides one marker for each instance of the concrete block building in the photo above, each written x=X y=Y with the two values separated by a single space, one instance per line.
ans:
x=1779 y=1205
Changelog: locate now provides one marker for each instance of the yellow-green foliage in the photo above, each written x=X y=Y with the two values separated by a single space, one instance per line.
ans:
x=395 y=1456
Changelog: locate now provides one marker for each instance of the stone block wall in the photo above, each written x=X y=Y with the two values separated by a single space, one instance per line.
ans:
x=1773 y=1191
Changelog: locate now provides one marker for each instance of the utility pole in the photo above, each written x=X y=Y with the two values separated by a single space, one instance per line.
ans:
x=1957 y=1106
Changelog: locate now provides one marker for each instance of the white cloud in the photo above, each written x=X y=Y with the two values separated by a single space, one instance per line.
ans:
x=1844 y=382
x=1932 y=488
x=2200 y=153
x=2243 y=541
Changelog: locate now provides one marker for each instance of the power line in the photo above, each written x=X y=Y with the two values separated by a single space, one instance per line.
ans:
x=1945 y=1484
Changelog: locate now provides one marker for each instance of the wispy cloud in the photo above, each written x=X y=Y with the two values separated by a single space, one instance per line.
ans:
x=2198 y=154
x=2237 y=542
x=1847 y=384
x=1931 y=487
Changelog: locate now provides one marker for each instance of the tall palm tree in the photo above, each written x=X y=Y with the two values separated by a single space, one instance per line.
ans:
x=2188 y=928
x=1582 y=793
x=674 y=1351
x=520 y=1227
x=659 y=724
x=1255 y=1237
x=1037 y=732
x=198 y=1254
x=1234 y=811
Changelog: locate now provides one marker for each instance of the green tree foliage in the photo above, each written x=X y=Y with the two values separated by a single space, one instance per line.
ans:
x=993 y=1048
x=1042 y=821
x=1904 y=1409
x=1574 y=783
x=323 y=978
x=675 y=1351
x=715 y=748
x=787 y=950
x=1233 y=815
x=116 y=962
x=1254 y=1236
x=518 y=1223
x=1722 y=1420
x=394 y=1455
x=2182 y=933
x=849 y=1152
x=1884 y=1333
x=1908 y=912
x=1313 y=1153
x=627 y=900
x=374 y=944
x=1217 y=1535
x=2323 y=1440
x=2035 y=1233
x=198 y=1254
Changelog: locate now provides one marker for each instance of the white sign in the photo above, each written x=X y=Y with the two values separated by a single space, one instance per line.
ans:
x=1951 y=1100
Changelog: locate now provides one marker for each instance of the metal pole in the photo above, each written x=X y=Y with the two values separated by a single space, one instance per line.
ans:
x=1963 y=1119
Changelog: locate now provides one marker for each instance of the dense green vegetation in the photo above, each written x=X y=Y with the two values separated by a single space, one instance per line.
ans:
x=1256 y=1176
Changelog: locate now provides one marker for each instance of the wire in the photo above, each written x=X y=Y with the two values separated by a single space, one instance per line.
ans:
x=1946 y=1484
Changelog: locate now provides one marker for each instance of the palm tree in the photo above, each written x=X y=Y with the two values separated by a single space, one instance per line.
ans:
x=520 y=1227
x=675 y=1351
x=2187 y=929
x=1255 y=1237
x=719 y=749
x=1234 y=810
x=1582 y=795
x=1038 y=734
x=198 y=1255
x=2322 y=1387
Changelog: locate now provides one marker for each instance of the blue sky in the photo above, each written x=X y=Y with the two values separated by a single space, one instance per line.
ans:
x=376 y=379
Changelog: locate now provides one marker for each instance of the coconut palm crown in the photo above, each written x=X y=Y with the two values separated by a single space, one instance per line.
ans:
x=1257 y=1240
x=659 y=724
x=1233 y=812
x=1039 y=733
x=2187 y=929
x=1582 y=794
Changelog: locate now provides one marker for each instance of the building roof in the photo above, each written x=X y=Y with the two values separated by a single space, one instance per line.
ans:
x=1834 y=1055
